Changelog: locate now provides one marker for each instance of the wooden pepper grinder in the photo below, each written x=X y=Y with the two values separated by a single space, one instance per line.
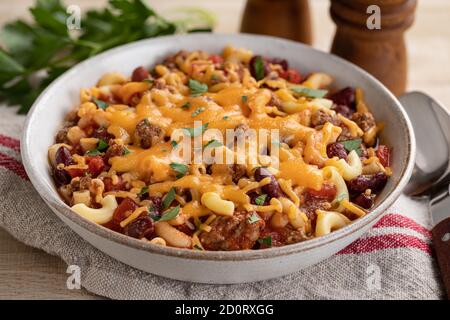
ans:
x=283 y=18
x=381 y=52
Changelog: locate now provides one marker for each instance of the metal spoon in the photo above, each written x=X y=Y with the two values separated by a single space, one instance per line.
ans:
x=431 y=123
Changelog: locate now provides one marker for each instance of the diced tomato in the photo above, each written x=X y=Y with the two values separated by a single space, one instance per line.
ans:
x=76 y=172
x=384 y=154
x=96 y=165
x=215 y=58
x=109 y=186
x=291 y=75
x=328 y=192
x=125 y=208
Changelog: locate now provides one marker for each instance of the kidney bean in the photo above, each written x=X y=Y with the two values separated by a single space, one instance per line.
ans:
x=61 y=177
x=384 y=154
x=336 y=149
x=273 y=188
x=364 y=200
x=126 y=207
x=282 y=62
x=139 y=74
x=374 y=182
x=141 y=227
x=344 y=97
x=343 y=110
x=156 y=204
x=63 y=156
x=252 y=66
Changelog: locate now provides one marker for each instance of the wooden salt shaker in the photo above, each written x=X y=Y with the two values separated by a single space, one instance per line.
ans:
x=381 y=52
x=283 y=18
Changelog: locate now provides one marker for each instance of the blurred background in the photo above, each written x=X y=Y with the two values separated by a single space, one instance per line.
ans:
x=29 y=273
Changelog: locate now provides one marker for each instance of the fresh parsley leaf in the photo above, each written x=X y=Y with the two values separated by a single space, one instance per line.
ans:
x=261 y=199
x=100 y=103
x=186 y=105
x=197 y=111
x=92 y=153
x=174 y=144
x=244 y=99
x=214 y=77
x=354 y=144
x=267 y=241
x=226 y=118
x=254 y=218
x=213 y=144
x=170 y=214
x=258 y=66
x=102 y=145
x=197 y=88
x=149 y=81
x=180 y=168
x=193 y=132
x=143 y=191
x=312 y=93
x=170 y=196
x=126 y=151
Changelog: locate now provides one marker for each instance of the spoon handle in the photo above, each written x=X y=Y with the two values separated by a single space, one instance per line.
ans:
x=441 y=240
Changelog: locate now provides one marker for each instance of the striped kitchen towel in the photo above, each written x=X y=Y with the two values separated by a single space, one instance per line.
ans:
x=394 y=260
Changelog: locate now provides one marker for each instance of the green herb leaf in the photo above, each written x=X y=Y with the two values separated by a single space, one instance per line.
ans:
x=244 y=99
x=149 y=81
x=226 y=118
x=193 y=132
x=312 y=93
x=254 y=218
x=170 y=196
x=354 y=144
x=197 y=247
x=213 y=144
x=101 y=104
x=258 y=65
x=180 y=168
x=197 y=88
x=126 y=151
x=266 y=241
x=261 y=199
x=102 y=145
x=170 y=214
x=186 y=106
x=92 y=153
x=143 y=191
x=174 y=144
x=197 y=111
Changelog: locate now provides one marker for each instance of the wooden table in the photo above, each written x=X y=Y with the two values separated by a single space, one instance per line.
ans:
x=29 y=273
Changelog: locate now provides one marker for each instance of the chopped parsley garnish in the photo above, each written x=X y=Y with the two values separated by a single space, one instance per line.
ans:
x=174 y=144
x=102 y=145
x=254 y=218
x=244 y=99
x=351 y=145
x=92 y=153
x=180 y=168
x=100 y=103
x=312 y=93
x=170 y=214
x=143 y=191
x=197 y=88
x=126 y=151
x=258 y=65
x=186 y=106
x=261 y=199
x=193 y=132
x=226 y=118
x=170 y=196
x=213 y=144
x=266 y=241
x=197 y=111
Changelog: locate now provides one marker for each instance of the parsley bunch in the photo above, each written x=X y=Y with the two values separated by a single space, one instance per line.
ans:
x=33 y=54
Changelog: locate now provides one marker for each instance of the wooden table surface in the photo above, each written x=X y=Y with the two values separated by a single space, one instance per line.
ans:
x=30 y=273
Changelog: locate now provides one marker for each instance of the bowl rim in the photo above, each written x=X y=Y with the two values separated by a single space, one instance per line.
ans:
x=55 y=202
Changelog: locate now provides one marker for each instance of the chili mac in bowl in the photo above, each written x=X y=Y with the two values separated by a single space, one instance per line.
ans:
x=206 y=157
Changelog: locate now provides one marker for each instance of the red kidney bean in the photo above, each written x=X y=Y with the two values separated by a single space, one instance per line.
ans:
x=61 y=177
x=282 y=62
x=141 y=227
x=344 y=97
x=364 y=200
x=384 y=154
x=344 y=110
x=273 y=188
x=374 y=182
x=139 y=74
x=336 y=149
x=156 y=204
x=63 y=156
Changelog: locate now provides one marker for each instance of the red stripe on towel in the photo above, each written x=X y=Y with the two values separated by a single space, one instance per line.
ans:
x=397 y=220
x=10 y=142
x=13 y=165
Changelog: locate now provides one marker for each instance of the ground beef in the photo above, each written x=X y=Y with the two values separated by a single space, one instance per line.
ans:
x=290 y=235
x=237 y=171
x=115 y=150
x=275 y=101
x=232 y=233
x=345 y=134
x=147 y=134
x=81 y=184
x=320 y=117
x=364 y=120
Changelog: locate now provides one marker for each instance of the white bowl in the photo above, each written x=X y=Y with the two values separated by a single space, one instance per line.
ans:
x=47 y=114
